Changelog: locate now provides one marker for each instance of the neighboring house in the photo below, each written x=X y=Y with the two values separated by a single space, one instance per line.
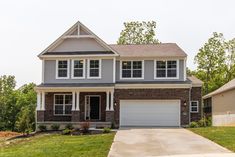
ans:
x=222 y=104
x=83 y=78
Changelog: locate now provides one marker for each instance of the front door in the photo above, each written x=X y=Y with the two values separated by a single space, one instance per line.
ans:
x=93 y=107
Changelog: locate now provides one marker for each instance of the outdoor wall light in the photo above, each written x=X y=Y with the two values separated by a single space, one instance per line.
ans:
x=185 y=104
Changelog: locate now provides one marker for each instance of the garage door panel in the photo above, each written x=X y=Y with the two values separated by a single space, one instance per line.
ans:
x=149 y=113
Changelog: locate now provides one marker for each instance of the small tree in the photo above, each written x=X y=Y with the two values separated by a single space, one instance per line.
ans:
x=23 y=123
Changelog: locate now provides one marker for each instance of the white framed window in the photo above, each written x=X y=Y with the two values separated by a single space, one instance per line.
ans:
x=94 y=69
x=194 y=107
x=132 y=69
x=166 y=69
x=62 y=69
x=78 y=69
x=63 y=104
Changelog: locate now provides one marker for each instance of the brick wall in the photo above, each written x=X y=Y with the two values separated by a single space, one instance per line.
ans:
x=196 y=95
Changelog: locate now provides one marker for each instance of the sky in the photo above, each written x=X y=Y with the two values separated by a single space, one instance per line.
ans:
x=27 y=27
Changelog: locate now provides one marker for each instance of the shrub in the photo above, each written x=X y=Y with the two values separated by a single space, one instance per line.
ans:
x=85 y=127
x=202 y=122
x=55 y=127
x=67 y=131
x=193 y=125
x=113 y=125
x=42 y=127
x=209 y=121
x=106 y=130
x=69 y=126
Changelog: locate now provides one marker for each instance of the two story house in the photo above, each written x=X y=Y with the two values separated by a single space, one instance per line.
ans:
x=83 y=78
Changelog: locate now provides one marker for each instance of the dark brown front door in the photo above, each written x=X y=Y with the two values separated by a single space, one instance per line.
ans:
x=94 y=107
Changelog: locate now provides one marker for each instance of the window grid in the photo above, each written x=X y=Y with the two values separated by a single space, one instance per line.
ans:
x=62 y=71
x=64 y=102
x=133 y=67
x=166 y=69
x=194 y=106
x=94 y=68
x=78 y=68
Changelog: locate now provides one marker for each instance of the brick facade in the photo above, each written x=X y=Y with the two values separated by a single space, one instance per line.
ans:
x=181 y=94
x=196 y=95
x=160 y=94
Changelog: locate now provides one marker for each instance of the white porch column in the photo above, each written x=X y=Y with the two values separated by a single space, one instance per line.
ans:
x=111 y=106
x=107 y=101
x=73 y=101
x=43 y=101
x=38 y=100
x=77 y=102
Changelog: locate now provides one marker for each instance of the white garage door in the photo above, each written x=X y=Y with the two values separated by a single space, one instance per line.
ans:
x=149 y=113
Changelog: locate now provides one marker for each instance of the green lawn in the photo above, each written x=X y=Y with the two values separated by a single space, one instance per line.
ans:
x=60 y=146
x=224 y=136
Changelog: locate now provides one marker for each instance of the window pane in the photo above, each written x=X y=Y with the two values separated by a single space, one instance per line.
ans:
x=137 y=73
x=68 y=109
x=171 y=64
x=126 y=73
x=58 y=109
x=194 y=109
x=78 y=73
x=137 y=64
x=59 y=99
x=68 y=99
x=94 y=72
x=62 y=73
x=161 y=64
x=171 y=73
x=62 y=64
x=78 y=64
x=126 y=65
x=161 y=73
x=94 y=63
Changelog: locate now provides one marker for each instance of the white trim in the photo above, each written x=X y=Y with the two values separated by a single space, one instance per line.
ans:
x=72 y=69
x=194 y=106
x=73 y=101
x=68 y=69
x=101 y=56
x=111 y=101
x=78 y=36
x=151 y=86
x=185 y=69
x=88 y=69
x=43 y=70
x=78 y=101
x=107 y=101
x=78 y=27
x=166 y=78
x=167 y=100
x=38 y=101
x=43 y=101
x=89 y=105
x=71 y=89
x=114 y=69
x=132 y=78
x=70 y=30
x=62 y=105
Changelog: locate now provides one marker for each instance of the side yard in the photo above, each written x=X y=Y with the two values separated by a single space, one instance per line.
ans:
x=59 y=145
x=224 y=136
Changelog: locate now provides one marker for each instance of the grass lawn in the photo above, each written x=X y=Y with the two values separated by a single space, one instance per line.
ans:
x=224 y=136
x=59 y=146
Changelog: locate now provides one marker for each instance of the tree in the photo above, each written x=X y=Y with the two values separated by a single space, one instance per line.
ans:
x=211 y=62
x=138 y=33
x=230 y=59
x=23 y=123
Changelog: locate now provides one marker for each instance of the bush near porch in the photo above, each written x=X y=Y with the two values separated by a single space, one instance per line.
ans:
x=224 y=136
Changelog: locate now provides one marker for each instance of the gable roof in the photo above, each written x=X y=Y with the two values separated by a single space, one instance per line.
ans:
x=70 y=34
x=228 y=86
x=195 y=81
x=149 y=50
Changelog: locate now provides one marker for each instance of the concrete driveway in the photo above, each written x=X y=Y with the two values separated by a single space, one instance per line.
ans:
x=148 y=142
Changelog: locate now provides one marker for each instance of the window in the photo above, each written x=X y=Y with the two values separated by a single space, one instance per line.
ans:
x=166 y=69
x=94 y=68
x=78 y=69
x=131 y=69
x=63 y=104
x=62 y=67
x=194 y=106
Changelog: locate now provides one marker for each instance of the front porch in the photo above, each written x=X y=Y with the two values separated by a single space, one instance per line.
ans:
x=75 y=106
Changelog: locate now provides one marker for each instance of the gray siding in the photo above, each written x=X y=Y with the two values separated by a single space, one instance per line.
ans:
x=149 y=72
x=106 y=73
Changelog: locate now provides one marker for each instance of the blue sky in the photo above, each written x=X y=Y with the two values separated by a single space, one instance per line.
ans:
x=29 y=26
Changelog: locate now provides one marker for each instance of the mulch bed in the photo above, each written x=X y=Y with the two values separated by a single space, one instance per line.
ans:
x=8 y=134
